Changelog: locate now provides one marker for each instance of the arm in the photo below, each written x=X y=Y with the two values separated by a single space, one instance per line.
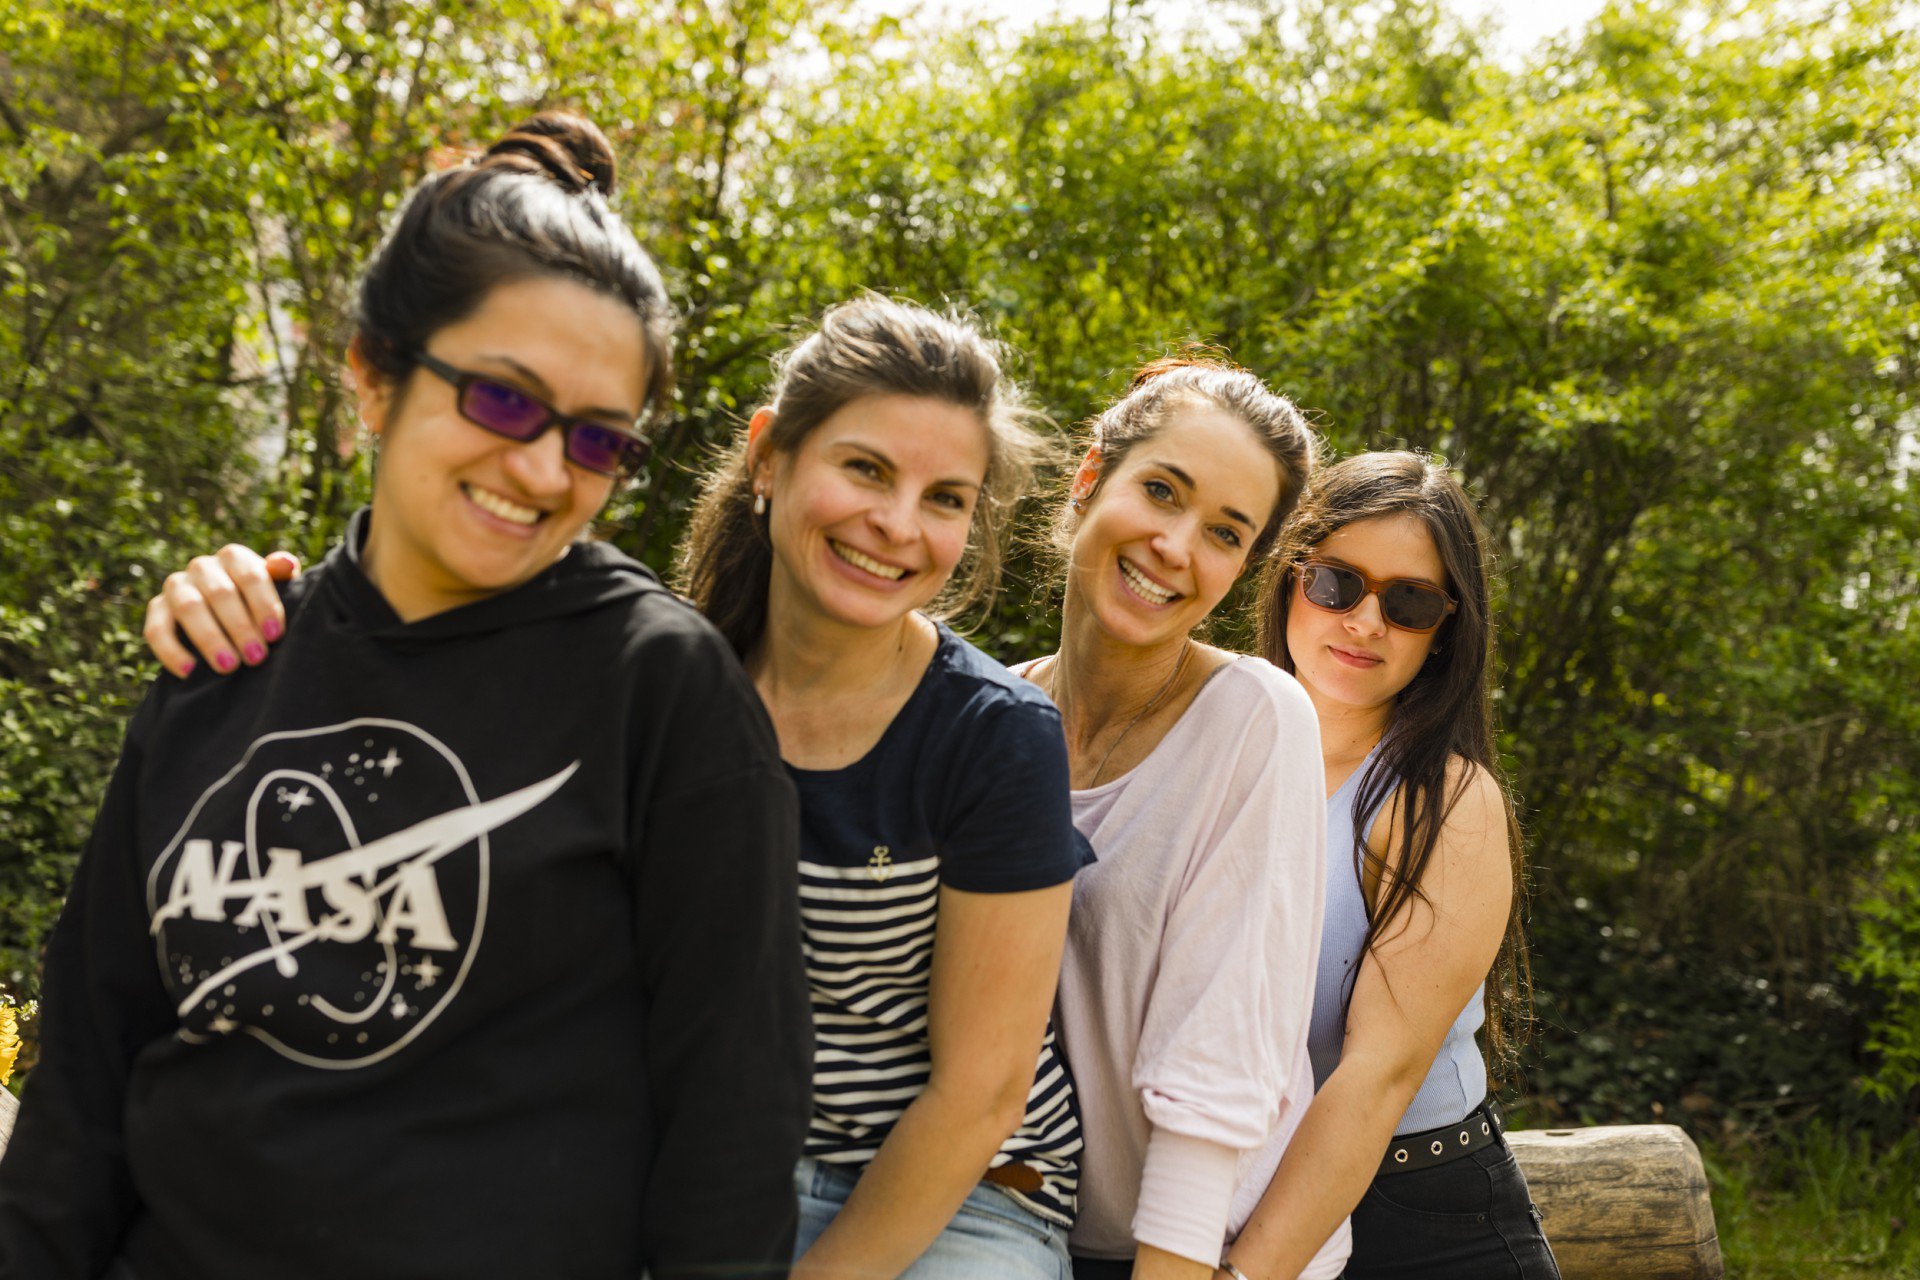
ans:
x=728 y=1035
x=1408 y=993
x=225 y=604
x=1228 y=1009
x=66 y=1197
x=995 y=961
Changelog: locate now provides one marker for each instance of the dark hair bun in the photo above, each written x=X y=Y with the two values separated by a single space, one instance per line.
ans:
x=568 y=148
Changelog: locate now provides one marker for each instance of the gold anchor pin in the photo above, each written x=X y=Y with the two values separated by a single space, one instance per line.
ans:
x=880 y=865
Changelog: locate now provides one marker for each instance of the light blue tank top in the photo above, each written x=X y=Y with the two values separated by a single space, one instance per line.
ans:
x=1457 y=1081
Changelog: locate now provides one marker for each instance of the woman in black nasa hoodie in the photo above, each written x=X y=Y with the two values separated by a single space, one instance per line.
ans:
x=398 y=957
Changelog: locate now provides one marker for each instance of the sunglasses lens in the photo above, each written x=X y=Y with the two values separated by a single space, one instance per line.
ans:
x=498 y=407
x=602 y=449
x=1331 y=588
x=1413 y=607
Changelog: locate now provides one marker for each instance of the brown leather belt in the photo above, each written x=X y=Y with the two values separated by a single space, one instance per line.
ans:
x=1014 y=1177
x=1482 y=1127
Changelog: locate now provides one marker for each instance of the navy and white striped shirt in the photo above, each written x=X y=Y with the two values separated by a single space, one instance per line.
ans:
x=968 y=787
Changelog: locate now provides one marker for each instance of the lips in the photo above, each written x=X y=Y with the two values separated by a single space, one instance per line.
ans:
x=496 y=505
x=863 y=561
x=1355 y=658
x=1144 y=586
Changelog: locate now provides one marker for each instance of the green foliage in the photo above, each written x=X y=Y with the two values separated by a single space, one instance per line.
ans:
x=1653 y=292
x=1815 y=1203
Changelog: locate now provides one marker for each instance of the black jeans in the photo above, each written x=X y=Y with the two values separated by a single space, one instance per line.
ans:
x=1467 y=1219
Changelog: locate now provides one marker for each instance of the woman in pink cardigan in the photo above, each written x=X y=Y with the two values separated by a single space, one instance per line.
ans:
x=1188 y=981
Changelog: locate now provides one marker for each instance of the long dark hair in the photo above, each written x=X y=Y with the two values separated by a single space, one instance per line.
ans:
x=533 y=205
x=1445 y=712
x=870 y=346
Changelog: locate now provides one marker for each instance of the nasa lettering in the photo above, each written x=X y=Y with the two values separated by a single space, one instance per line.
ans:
x=328 y=893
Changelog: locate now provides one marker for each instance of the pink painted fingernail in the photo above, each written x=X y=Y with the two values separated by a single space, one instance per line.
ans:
x=223 y=661
x=256 y=653
x=271 y=629
x=187 y=668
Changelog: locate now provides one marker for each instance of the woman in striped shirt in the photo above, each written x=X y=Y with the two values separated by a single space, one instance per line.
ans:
x=937 y=847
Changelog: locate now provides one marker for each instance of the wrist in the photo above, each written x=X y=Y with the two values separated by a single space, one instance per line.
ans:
x=1230 y=1272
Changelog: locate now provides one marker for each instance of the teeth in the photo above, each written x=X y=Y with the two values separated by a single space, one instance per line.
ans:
x=890 y=572
x=1154 y=593
x=499 y=506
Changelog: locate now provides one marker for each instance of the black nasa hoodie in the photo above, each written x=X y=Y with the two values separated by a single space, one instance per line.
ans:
x=460 y=948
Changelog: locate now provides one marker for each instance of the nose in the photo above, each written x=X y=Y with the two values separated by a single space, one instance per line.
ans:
x=893 y=516
x=1175 y=540
x=540 y=465
x=1366 y=618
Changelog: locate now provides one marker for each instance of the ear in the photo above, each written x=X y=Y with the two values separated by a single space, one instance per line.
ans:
x=371 y=391
x=757 y=438
x=1086 y=477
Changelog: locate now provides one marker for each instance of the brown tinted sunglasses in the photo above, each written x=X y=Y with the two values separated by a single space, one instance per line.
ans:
x=1406 y=603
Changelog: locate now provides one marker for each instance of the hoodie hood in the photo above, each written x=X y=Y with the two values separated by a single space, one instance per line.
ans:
x=589 y=576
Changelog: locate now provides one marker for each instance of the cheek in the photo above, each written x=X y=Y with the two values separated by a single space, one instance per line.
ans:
x=949 y=542
x=1301 y=619
x=590 y=495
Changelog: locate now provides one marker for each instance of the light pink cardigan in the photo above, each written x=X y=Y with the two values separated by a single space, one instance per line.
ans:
x=1188 y=981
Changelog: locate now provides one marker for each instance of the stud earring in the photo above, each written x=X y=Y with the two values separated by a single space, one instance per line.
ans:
x=759 y=504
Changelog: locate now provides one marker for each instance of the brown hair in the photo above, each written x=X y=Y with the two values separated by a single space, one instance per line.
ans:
x=533 y=205
x=869 y=346
x=1159 y=388
x=1445 y=712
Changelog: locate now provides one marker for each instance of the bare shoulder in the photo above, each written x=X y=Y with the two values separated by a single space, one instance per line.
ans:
x=1474 y=833
x=1478 y=804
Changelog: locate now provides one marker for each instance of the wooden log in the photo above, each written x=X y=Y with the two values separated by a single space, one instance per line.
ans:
x=1622 y=1202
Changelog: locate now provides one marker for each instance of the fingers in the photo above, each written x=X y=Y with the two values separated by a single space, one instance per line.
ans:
x=226 y=607
x=256 y=614
x=282 y=566
x=164 y=638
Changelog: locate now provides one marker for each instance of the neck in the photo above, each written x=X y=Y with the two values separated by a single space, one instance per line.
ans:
x=803 y=656
x=409 y=599
x=1348 y=732
x=1097 y=681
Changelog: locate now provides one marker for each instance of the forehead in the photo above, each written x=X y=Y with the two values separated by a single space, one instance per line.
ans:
x=918 y=434
x=1394 y=546
x=588 y=348
x=1229 y=465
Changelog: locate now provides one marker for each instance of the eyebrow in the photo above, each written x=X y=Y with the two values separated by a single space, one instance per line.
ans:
x=889 y=464
x=1398 y=577
x=540 y=386
x=1233 y=513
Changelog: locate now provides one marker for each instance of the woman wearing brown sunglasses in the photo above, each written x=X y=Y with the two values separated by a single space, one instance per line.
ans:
x=1377 y=601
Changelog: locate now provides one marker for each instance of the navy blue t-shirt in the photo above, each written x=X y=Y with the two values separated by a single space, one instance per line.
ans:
x=968 y=787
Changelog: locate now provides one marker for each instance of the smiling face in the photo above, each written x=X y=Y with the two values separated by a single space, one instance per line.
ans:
x=460 y=513
x=1167 y=532
x=870 y=513
x=1354 y=659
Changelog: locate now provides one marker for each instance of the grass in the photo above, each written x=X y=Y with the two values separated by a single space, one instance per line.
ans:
x=1819 y=1202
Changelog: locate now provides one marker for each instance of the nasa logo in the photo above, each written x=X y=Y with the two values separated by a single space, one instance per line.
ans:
x=329 y=893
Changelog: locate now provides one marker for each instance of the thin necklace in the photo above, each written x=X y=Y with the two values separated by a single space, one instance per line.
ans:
x=1141 y=714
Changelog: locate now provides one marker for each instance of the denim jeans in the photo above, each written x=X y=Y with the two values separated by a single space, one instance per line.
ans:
x=992 y=1237
x=1468 y=1219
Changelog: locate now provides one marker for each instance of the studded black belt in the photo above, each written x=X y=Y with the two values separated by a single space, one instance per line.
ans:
x=1482 y=1127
